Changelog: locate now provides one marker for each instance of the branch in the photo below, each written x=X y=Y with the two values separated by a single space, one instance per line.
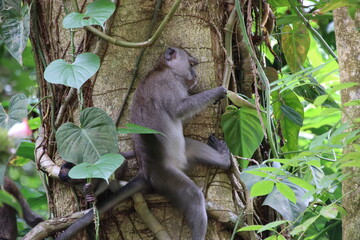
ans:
x=149 y=219
x=229 y=28
x=50 y=227
x=43 y=161
x=121 y=43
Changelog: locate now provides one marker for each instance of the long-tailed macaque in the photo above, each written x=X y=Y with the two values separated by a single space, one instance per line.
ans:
x=8 y=226
x=162 y=102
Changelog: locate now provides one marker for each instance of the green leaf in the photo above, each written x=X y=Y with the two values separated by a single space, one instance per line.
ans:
x=330 y=211
x=301 y=183
x=303 y=227
x=95 y=137
x=26 y=150
x=279 y=3
x=320 y=100
x=334 y=4
x=15 y=30
x=72 y=75
x=34 y=123
x=257 y=173
x=295 y=45
x=17 y=111
x=137 y=129
x=261 y=188
x=287 y=208
x=286 y=191
x=5 y=4
x=292 y=115
x=242 y=130
x=289 y=129
x=275 y=237
x=10 y=200
x=250 y=228
x=272 y=225
x=103 y=168
x=97 y=13
x=342 y=86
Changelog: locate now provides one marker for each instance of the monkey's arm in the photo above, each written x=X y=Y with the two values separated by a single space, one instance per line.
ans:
x=137 y=184
x=194 y=103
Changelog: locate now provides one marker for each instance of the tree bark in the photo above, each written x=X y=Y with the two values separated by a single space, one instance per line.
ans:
x=195 y=27
x=348 y=46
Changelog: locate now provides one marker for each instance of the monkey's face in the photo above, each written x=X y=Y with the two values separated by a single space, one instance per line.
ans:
x=181 y=63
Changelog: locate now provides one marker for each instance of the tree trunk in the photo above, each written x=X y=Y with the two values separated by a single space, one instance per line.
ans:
x=348 y=46
x=195 y=27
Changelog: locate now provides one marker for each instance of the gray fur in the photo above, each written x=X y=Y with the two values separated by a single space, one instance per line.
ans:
x=162 y=102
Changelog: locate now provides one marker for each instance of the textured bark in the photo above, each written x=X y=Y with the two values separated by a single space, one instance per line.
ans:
x=193 y=28
x=348 y=46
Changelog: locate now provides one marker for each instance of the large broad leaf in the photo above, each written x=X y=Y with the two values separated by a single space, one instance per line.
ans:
x=17 y=111
x=72 y=75
x=15 y=30
x=242 y=130
x=97 y=13
x=289 y=124
x=6 y=4
x=95 y=137
x=103 y=168
x=295 y=45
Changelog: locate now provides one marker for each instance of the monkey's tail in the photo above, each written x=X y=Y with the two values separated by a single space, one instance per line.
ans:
x=135 y=185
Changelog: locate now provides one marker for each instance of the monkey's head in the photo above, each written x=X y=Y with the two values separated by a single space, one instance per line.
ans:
x=182 y=64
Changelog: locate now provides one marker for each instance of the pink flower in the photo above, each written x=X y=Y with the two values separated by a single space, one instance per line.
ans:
x=20 y=130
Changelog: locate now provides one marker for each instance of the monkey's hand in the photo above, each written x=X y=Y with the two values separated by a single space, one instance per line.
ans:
x=89 y=193
x=220 y=94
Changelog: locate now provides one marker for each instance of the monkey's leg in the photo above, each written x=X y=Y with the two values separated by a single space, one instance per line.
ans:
x=185 y=195
x=216 y=153
x=135 y=185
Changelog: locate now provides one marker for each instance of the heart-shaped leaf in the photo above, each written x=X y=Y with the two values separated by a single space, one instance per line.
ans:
x=97 y=13
x=103 y=168
x=17 y=111
x=15 y=30
x=73 y=75
x=95 y=137
x=242 y=130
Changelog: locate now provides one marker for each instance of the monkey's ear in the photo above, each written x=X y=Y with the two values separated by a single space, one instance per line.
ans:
x=170 y=53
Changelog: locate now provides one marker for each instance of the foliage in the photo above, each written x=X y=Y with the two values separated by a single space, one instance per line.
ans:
x=97 y=13
x=299 y=175
x=15 y=27
x=75 y=74
x=302 y=181
x=96 y=136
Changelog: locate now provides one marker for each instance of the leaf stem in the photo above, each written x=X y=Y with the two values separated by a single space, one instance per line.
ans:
x=126 y=44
